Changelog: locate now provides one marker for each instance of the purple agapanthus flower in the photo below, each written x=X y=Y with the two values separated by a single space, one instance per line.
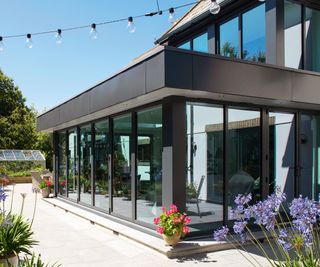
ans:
x=7 y=222
x=243 y=199
x=221 y=234
x=3 y=195
x=239 y=227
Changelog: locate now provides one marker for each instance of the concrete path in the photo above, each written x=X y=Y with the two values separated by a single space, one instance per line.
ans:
x=72 y=241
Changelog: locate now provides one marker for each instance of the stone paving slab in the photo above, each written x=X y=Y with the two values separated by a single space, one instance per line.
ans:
x=73 y=241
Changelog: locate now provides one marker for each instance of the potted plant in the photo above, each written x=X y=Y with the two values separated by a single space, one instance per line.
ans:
x=172 y=224
x=15 y=237
x=46 y=186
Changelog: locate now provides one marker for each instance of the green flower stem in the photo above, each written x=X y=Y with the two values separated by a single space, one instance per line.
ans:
x=258 y=245
x=11 y=204
x=240 y=245
x=34 y=208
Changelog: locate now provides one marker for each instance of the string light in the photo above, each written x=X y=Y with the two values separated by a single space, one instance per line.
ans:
x=1 y=44
x=58 y=36
x=29 y=43
x=214 y=7
x=172 y=18
x=93 y=31
x=131 y=26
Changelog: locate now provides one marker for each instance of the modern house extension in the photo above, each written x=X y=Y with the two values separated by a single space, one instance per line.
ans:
x=224 y=104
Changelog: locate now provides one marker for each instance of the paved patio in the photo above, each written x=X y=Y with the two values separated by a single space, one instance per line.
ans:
x=73 y=241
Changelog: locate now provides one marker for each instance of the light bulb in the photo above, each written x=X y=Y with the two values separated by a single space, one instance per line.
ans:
x=172 y=18
x=131 y=27
x=29 y=43
x=58 y=36
x=214 y=7
x=262 y=0
x=1 y=44
x=93 y=31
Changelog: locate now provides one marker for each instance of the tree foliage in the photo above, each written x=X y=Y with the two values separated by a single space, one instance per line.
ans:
x=18 y=121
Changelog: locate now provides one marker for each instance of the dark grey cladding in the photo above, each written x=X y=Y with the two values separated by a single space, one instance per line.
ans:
x=170 y=67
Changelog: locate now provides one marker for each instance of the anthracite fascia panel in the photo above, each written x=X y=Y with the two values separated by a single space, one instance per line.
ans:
x=180 y=69
x=217 y=74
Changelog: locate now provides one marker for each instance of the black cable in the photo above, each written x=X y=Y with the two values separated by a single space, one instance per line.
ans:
x=102 y=23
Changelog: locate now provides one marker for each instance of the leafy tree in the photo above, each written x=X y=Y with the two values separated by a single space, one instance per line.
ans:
x=18 y=122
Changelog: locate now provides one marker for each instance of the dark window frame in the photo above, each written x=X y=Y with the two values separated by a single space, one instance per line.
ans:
x=238 y=15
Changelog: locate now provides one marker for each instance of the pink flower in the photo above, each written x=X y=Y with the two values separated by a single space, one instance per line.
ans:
x=163 y=208
x=156 y=220
x=173 y=208
x=185 y=230
x=160 y=230
x=168 y=212
x=187 y=220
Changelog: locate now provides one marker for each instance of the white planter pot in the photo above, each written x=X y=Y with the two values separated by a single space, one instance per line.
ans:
x=13 y=261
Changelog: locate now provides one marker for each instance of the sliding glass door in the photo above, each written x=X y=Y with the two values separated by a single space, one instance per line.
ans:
x=122 y=138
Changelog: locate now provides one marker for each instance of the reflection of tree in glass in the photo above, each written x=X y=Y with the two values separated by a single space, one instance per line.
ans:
x=257 y=57
x=229 y=51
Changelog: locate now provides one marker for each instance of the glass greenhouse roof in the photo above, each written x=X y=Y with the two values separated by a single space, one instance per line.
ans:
x=21 y=155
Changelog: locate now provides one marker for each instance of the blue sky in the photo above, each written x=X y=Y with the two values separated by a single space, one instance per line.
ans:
x=49 y=73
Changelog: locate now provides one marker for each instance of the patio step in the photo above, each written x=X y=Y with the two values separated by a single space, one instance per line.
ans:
x=146 y=238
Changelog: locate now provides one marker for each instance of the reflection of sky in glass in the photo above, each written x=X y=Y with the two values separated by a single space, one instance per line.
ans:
x=200 y=43
x=229 y=35
x=254 y=34
x=186 y=45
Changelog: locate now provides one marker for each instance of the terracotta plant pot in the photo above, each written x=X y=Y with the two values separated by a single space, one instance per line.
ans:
x=13 y=262
x=171 y=240
x=45 y=192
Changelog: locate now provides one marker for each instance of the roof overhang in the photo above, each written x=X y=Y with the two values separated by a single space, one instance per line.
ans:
x=169 y=71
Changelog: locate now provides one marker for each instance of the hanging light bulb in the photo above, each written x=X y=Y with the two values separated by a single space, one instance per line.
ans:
x=58 y=36
x=171 y=18
x=131 y=27
x=214 y=7
x=1 y=44
x=93 y=31
x=29 y=43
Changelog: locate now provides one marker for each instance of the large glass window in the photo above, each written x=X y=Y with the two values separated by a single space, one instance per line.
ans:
x=313 y=39
x=254 y=34
x=101 y=164
x=204 y=185
x=292 y=35
x=85 y=164
x=282 y=152
x=229 y=38
x=62 y=161
x=244 y=154
x=310 y=156
x=149 y=164
x=200 y=43
x=73 y=165
x=122 y=131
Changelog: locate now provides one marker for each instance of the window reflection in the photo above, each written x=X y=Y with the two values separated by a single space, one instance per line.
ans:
x=310 y=151
x=313 y=39
x=254 y=34
x=101 y=165
x=62 y=163
x=244 y=154
x=149 y=164
x=229 y=38
x=200 y=43
x=292 y=35
x=282 y=152
x=85 y=164
x=122 y=131
x=204 y=185
x=186 y=46
x=72 y=165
